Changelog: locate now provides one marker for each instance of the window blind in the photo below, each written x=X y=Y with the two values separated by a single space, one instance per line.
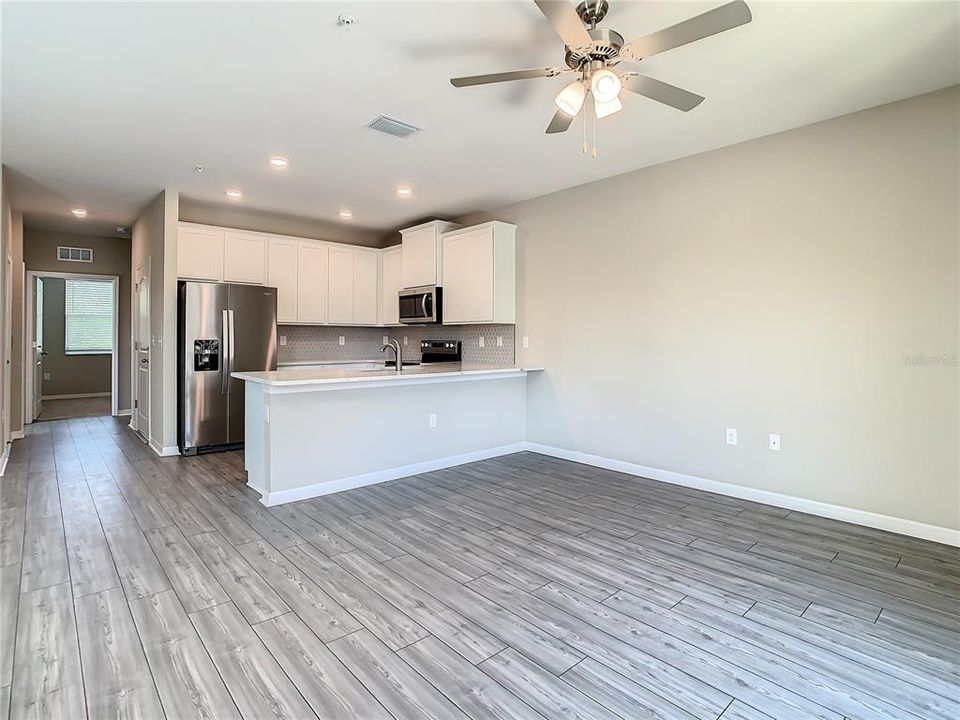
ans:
x=89 y=316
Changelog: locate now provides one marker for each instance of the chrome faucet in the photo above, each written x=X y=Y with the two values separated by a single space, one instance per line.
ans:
x=397 y=352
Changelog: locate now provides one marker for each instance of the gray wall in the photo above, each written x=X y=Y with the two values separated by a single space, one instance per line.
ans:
x=804 y=283
x=111 y=256
x=69 y=374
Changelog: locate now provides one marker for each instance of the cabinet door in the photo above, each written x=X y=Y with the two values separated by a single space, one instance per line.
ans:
x=340 y=303
x=282 y=274
x=366 y=287
x=468 y=277
x=312 y=273
x=200 y=253
x=244 y=258
x=419 y=263
x=391 y=283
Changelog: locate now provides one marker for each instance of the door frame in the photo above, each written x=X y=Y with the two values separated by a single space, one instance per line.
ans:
x=31 y=319
x=141 y=271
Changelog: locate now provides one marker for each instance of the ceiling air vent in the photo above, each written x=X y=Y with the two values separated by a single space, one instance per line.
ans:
x=74 y=254
x=392 y=127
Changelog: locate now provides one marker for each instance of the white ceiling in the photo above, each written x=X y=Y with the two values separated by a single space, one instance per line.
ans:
x=105 y=104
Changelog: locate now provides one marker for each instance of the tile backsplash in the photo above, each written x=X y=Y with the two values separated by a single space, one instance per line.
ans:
x=321 y=343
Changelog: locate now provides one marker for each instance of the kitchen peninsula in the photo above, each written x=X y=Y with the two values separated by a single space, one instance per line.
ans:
x=317 y=431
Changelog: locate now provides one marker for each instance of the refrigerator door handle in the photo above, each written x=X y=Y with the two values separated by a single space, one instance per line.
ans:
x=225 y=359
x=230 y=349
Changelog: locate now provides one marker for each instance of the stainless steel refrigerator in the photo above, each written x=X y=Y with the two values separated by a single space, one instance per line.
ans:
x=222 y=329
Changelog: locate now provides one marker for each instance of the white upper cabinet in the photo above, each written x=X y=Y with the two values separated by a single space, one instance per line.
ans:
x=391 y=283
x=244 y=257
x=366 y=287
x=421 y=260
x=340 y=305
x=282 y=266
x=479 y=274
x=312 y=281
x=199 y=252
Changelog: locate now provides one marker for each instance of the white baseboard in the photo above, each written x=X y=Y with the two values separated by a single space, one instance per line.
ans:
x=164 y=451
x=17 y=435
x=123 y=413
x=348 y=483
x=4 y=458
x=76 y=396
x=935 y=533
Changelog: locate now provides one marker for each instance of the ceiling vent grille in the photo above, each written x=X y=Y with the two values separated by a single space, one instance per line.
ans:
x=392 y=127
x=75 y=254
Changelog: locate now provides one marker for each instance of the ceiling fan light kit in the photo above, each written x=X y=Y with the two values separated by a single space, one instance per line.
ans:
x=593 y=52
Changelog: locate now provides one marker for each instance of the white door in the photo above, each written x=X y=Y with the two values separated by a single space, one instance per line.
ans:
x=340 y=303
x=7 y=347
x=37 y=344
x=419 y=260
x=366 y=287
x=282 y=274
x=390 y=284
x=141 y=346
x=312 y=283
x=244 y=258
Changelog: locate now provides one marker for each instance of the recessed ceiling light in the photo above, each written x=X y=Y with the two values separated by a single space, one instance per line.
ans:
x=120 y=229
x=79 y=212
x=346 y=214
x=279 y=162
x=404 y=191
x=233 y=193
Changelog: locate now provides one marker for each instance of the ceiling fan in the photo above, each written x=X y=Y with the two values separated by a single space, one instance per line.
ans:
x=592 y=52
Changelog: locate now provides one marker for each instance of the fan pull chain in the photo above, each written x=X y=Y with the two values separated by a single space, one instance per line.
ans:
x=586 y=119
x=596 y=122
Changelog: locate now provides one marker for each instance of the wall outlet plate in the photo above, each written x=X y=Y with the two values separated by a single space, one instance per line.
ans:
x=404 y=340
x=499 y=340
x=731 y=436
x=432 y=420
x=774 y=442
x=343 y=340
x=481 y=341
x=283 y=340
x=46 y=376
x=386 y=339
x=525 y=342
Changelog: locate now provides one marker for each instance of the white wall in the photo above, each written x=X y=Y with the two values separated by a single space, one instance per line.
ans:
x=154 y=236
x=779 y=286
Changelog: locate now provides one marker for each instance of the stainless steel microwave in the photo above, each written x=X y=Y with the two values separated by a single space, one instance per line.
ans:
x=421 y=305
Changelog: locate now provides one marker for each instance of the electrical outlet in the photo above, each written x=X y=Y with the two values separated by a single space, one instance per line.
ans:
x=432 y=420
x=731 y=436
x=481 y=341
x=525 y=342
x=46 y=376
x=774 y=442
x=404 y=340
x=386 y=339
x=343 y=340
x=283 y=340
x=499 y=340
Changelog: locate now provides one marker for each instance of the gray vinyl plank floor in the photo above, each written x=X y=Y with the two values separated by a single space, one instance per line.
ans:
x=518 y=587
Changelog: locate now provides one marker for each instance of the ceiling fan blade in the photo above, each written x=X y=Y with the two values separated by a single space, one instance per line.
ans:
x=561 y=121
x=504 y=76
x=566 y=22
x=661 y=92
x=714 y=21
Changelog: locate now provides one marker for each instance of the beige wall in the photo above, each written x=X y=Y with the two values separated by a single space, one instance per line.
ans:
x=154 y=237
x=7 y=273
x=268 y=222
x=111 y=256
x=69 y=374
x=784 y=285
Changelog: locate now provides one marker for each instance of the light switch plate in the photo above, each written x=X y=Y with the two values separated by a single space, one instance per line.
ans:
x=432 y=420
x=525 y=342
x=775 y=442
x=731 y=436
x=404 y=340
x=386 y=339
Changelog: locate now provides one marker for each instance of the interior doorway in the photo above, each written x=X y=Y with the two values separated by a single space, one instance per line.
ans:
x=140 y=420
x=71 y=353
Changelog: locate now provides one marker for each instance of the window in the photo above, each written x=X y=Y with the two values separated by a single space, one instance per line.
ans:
x=89 y=317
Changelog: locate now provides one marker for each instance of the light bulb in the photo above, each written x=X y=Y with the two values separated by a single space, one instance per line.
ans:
x=603 y=109
x=605 y=85
x=570 y=99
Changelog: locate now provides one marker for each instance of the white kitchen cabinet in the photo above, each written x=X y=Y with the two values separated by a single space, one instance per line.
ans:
x=479 y=274
x=340 y=294
x=391 y=283
x=282 y=264
x=421 y=262
x=366 y=287
x=244 y=257
x=199 y=252
x=312 y=278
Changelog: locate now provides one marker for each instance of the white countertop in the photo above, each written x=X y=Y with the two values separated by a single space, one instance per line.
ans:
x=290 y=376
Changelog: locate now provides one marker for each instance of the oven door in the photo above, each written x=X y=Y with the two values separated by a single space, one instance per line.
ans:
x=419 y=306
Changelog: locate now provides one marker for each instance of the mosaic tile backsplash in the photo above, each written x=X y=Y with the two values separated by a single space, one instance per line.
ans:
x=321 y=343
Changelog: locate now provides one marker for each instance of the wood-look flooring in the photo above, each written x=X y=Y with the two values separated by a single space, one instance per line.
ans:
x=67 y=408
x=520 y=587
